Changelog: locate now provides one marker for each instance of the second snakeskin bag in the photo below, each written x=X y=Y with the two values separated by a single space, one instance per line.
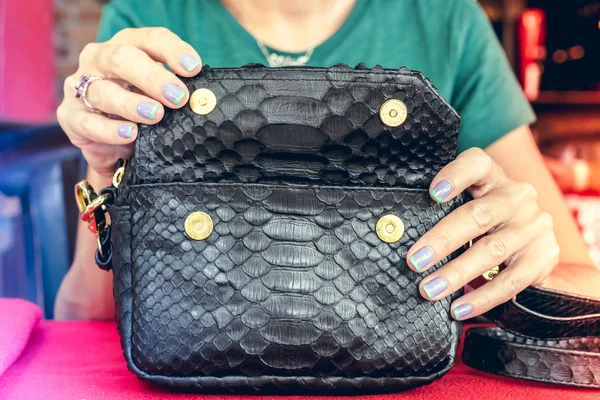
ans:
x=260 y=234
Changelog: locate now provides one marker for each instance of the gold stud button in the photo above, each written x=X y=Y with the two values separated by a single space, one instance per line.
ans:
x=393 y=112
x=389 y=228
x=198 y=225
x=203 y=101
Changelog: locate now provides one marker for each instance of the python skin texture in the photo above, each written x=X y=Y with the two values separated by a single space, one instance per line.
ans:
x=293 y=291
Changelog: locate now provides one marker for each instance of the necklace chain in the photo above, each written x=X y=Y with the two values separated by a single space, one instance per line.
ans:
x=279 y=60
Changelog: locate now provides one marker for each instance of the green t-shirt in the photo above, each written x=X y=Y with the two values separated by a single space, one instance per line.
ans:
x=451 y=42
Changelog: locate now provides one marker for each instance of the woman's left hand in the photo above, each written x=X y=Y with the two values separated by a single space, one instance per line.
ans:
x=517 y=234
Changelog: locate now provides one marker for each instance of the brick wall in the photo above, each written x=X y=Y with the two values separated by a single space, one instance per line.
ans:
x=76 y=25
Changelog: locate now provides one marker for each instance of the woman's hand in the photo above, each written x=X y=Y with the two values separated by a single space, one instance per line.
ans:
x=518 y=234
x=135 y=58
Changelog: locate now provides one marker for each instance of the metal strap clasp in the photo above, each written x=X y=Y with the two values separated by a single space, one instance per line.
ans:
x=93 y=208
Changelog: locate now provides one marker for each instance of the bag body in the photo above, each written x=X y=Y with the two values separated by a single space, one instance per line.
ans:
x=291 y=284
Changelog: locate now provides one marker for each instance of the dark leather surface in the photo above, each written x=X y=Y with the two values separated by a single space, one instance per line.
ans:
x=283 y=289
x=574 y=362
x=549 y=314
x=301 y=125
x=293 y=291
x=546 y=336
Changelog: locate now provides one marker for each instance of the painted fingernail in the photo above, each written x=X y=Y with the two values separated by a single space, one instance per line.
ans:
x=441 y=191
x=460 y=312
x=147 y=110
x=173 y=93
x=189 y=62
x=435 y=286
x=125 y=131
x=421 y=258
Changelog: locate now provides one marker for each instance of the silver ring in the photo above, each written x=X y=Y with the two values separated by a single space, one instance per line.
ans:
x=82 y=87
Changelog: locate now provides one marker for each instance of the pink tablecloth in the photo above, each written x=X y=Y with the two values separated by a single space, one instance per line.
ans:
x=83 y=360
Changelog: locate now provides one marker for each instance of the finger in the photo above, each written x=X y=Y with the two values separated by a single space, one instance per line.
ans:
x=535 y=264
x=164 y=46
x=467 y=222
x=129 y=63
x=111 y=98
x=87 y=127
x=472 y=169
x=114 y=98
x=487 y=253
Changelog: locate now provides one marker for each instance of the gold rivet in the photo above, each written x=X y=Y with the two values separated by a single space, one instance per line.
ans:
x=389 y=228
x=203 y=101
x=393 y=112
x=198 y=225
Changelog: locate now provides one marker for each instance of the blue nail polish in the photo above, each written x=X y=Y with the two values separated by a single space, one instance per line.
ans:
x=435 y=286
x=125 y=131
x=173 y=93
x=422 y=258
x=460 y=312
x=147 y=110
x=441 y=191
x=189 y=62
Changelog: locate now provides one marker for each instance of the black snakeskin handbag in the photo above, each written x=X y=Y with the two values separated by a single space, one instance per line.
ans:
x=260 y=238
x=260 y=234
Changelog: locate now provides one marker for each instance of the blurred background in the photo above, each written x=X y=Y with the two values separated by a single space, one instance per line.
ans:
x=553 y=46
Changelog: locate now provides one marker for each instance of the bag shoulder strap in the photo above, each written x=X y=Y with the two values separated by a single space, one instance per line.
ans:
x=544 y=335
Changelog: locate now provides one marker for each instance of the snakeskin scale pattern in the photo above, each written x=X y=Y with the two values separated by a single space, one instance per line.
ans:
x=309 y=125
x=293 y=291
x=573 y=362
x=292 y=281
x=570 y=316
x=547 y=336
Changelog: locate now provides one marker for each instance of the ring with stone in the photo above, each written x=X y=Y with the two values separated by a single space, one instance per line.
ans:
x=82 y=86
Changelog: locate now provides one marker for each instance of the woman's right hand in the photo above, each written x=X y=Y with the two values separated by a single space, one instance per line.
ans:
x=132 y=58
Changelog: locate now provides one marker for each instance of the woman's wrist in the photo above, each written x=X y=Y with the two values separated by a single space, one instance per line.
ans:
x=86 y=293
x=86 y=243
x=576 y=278
x=98 y=181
